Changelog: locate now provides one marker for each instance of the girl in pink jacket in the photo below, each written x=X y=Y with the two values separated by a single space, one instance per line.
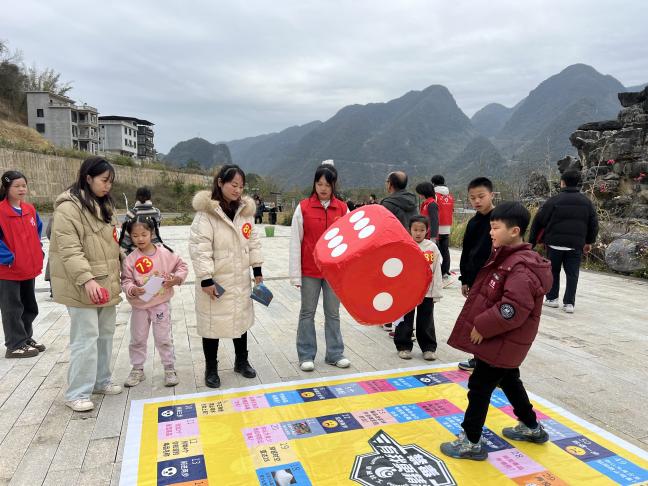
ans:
x=143 y=271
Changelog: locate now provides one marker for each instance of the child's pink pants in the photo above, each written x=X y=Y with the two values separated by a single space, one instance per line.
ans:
x=141 y=319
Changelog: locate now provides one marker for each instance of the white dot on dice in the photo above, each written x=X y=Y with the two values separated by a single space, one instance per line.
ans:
x=392 y=267
x=338 y=250
x=357 y=216
x=331 y=233
x=383 y=301
x=361 y=224
x=335 y=241
x=366 y=232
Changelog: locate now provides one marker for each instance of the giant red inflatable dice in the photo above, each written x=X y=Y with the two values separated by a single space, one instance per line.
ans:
x=373 y=265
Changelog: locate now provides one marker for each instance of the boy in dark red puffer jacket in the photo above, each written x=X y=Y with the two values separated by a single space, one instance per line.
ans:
x=498 y=324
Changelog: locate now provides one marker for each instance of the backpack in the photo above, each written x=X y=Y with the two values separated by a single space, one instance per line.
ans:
x=149 y=212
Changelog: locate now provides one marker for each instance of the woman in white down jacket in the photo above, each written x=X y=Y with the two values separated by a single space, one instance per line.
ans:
x=223 y=245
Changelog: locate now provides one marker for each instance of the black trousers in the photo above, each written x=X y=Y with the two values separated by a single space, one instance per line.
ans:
x=19 y=309
x=570 y=260
x=425 y=334
x=210 y=347
x=481 y=384
x=444 y=248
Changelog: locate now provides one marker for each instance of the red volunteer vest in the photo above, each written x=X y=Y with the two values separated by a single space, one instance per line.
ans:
x=20 y=234
x=446 y=209
x=316 y=221
x=425 y=212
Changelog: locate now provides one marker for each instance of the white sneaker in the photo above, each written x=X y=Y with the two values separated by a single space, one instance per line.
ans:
x=568 y=308
x=80 y=404
x=109 y=389
x=307 y=366
x=429 y=356
x=405 y=354
x=135 y=377
x=342 y=363
x=552 y=303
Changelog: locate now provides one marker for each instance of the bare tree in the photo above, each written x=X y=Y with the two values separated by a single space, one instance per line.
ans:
x=45 y=80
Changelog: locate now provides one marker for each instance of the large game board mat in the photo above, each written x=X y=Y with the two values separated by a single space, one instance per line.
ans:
x=382 y=428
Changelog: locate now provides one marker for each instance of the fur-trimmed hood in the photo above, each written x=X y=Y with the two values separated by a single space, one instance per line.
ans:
x=202 y=201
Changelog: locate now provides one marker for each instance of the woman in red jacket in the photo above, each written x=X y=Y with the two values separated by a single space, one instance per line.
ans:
x=21 y=261
x=311 y=219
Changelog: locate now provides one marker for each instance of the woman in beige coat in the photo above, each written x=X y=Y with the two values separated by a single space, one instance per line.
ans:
x=223 y=245
x=84 y=272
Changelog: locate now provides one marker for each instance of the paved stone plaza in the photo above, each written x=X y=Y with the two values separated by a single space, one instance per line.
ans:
x=591 y=363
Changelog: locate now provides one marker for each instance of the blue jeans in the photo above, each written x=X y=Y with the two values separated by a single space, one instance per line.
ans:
x=91 y=340
x=306 y=336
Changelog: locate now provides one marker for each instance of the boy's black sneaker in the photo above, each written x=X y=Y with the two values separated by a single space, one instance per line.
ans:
x=468 y=365
x=522 y=432
x=34 y=344
x=24 y=351
x=462 y=448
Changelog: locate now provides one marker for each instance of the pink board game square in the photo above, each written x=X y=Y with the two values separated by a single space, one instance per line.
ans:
x=508 y=410
x=439 y=408
x=513 y=463
x=253 y=402
x=456 y=376
x=178 y=428
x=377 y=386
x=265 y=434
x=374 y=418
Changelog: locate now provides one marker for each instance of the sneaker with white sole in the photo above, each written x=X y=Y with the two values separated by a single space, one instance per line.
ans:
x=429 y=355
x=34 y=344
x=24 y=351
x=568 y=308
x=405 y=354
x=135 y=377
x=552 y=303
x=342 y=363
x=462 y=448
x=307 y=366
x=80 y=404
x=523 y=433
x=109 y=389
x=170 y=378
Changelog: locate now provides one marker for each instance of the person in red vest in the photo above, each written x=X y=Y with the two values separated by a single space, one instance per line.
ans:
x=445 y=201
x=311 y=219
x=429 y=209
x=21 y=261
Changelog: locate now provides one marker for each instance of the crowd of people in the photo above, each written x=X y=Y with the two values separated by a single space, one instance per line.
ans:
x=91 y=262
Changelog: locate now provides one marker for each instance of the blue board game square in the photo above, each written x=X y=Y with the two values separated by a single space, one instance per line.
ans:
x=452 y=422
x=407 y=413
x=493 y=442
x=405 y=382
x=557 y=431
x=347 y=390
x=278 y=399
x=620 y=470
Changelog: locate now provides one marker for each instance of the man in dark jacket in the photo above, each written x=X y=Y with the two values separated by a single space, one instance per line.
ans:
x=567 y=224
x=498 y=324
x=400 y=203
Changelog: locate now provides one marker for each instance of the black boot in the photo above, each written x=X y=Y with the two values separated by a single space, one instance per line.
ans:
x=212 y=380
x=242 y=366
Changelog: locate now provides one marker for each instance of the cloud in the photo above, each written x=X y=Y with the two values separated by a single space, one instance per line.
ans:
x=228 y=69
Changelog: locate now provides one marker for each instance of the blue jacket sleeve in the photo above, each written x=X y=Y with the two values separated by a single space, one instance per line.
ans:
x=39 y=226
x=6 y=257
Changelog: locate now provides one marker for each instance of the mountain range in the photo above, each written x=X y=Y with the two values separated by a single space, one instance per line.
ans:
x=425 y=132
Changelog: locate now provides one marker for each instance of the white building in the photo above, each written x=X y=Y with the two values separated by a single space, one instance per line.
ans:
x=118 y=135
x=62 y=122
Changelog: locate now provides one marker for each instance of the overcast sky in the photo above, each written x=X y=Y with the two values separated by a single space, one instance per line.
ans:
x=229 y=69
